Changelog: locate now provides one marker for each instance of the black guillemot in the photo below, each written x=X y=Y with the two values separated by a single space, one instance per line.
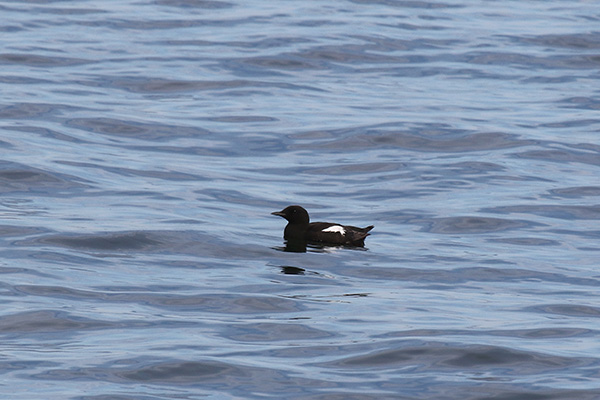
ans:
x=299 y=227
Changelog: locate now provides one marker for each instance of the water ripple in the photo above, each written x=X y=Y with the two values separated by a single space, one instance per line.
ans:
x=144 y=145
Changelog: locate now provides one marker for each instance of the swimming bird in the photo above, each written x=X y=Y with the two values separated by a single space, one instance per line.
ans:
x=299 y=227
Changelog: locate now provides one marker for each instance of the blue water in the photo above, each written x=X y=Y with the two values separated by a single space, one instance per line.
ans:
x=145 y=144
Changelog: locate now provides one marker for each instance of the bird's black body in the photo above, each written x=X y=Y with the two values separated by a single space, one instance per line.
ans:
x=299 y=227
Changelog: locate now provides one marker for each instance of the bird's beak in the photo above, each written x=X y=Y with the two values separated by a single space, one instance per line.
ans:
x=278 y=213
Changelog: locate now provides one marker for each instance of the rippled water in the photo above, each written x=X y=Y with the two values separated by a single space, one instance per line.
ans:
x=145 y=144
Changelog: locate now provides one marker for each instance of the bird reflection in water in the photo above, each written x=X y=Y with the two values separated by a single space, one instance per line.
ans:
x=290 y=270
x=302 y=246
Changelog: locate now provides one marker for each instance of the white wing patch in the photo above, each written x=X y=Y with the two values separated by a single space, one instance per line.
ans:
x=335 y=228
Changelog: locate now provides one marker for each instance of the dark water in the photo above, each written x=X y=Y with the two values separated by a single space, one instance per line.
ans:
x=145 y=144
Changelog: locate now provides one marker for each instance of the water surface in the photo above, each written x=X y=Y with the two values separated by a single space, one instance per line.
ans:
x=145 y=144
